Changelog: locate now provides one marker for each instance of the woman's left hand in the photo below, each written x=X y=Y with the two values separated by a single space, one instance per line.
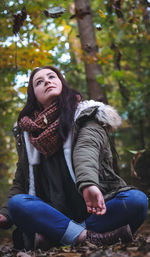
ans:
x=94 y=200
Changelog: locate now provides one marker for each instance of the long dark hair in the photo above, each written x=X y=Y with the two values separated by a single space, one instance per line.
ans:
x=67 y=101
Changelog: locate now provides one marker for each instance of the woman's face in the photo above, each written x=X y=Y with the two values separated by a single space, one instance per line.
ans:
x=47 y=86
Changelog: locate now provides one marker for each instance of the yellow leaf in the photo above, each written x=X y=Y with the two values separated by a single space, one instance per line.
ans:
x=67 y=28
x=102 y=15
x=22 y=90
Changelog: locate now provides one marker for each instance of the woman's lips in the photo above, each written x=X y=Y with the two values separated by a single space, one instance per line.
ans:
x=49 y=88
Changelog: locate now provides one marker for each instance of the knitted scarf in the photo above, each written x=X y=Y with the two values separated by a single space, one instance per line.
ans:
x=43 y=129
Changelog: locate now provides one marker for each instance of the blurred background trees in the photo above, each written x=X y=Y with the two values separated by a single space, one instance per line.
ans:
x=103 y=49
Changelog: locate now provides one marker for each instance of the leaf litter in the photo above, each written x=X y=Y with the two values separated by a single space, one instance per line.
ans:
x=140 y=247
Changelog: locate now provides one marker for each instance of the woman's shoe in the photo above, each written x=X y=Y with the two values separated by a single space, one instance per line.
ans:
x=123 y=234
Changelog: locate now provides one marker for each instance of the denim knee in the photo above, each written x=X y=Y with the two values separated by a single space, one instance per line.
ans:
x=139 y=202
x=15 y=202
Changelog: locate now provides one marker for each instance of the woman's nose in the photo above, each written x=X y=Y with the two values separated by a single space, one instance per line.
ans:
x=47 y=81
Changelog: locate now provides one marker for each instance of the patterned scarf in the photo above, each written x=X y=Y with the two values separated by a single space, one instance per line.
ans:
x=43 y=129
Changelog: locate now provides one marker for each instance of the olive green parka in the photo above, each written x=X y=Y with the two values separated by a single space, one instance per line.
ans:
x=87 y=152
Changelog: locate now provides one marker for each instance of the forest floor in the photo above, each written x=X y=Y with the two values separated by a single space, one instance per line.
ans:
x=140 y=247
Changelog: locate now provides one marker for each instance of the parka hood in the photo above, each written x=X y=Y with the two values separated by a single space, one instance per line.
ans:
x=103 y=113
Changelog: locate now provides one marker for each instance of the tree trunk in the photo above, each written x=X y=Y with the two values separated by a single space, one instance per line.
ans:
x=90 y=49
x=125 y=93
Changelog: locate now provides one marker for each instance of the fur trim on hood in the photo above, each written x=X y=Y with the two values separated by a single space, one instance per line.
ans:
x=105 y=113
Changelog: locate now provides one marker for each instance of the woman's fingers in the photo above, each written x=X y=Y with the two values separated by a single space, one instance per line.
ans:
x=89 y=209
x=94 y=200
x=100 y=211
x=101 y=205
x=96 y=210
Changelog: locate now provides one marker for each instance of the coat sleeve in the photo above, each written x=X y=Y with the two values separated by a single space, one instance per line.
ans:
x=87 y=152
x=18 y=187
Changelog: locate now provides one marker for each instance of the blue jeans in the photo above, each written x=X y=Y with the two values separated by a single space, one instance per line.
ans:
x=31 y=215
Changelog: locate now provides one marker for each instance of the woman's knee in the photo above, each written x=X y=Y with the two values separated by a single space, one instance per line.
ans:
x=17 y=201
x=139 y=202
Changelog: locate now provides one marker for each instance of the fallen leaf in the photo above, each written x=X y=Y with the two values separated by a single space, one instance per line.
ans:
x=132 y=249
x=22 y=254
x=102 y=15
x=148 y=240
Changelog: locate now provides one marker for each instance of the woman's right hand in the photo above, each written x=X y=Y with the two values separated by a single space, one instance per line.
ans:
x=94 y=200
x=3 y=221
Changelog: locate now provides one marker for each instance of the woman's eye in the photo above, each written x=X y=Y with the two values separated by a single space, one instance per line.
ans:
x=39 y=82
x=51 y=76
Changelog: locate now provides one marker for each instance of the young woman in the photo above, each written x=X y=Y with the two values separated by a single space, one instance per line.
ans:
x=65 y=190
